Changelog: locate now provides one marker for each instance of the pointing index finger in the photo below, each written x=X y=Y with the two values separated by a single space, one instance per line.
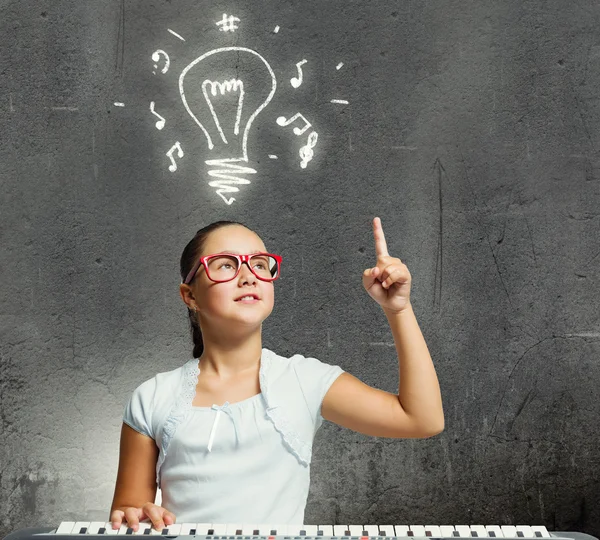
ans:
x=380 y=244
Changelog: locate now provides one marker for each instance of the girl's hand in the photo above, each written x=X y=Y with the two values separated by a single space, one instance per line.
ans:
x=159 y=516
x=388 y=283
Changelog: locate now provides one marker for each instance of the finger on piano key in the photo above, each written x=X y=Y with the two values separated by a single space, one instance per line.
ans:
x=509 y=531
x=121 y=530
x=326 y=529
x=143 y=526
x=372 y=530
x=494 y=531
x=402 y=530
x=418 y=530
x=65 y=527
x=464 y=531
x=447 y=530
x=479 y=530
x=433 y=530
x=540 y=531
x=525 y=530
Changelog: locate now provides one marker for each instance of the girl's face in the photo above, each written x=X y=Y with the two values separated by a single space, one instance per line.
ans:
x=216 y=302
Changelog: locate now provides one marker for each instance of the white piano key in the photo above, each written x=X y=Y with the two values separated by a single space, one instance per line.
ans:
x=480 y=530
x=78 y=526
x=356 y=530
x=418 y=530
x=463 y=530
x=281 y=529
x=327 y=530
x=294 y=530
x=495 y=529
x=447 y=530
x=202 y=528
x=218 y=528
x=541 y=529
x=434 y=530
x=372 y=530
x=186 y=528
x=509 y=531
x=264 y=529
x=121 y=530
x=340 y=530
x=95 y=526
x=386 y=530
x=311 y=530
x=109 y=529
x=401 y=530
x=65 y=527
x=142 y=528
x=526 y=530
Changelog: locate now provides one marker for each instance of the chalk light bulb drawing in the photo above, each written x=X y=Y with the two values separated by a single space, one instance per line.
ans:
x=224 y=90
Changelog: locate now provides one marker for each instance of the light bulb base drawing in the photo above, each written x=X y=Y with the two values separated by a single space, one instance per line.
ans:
x=229 y=174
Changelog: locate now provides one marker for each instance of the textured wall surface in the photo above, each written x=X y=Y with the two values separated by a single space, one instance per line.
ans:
x=472 y=130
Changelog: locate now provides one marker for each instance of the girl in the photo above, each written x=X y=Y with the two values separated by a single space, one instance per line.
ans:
x=227 y=437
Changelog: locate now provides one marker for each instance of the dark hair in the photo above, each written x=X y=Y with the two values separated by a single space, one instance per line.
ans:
x=189 y=258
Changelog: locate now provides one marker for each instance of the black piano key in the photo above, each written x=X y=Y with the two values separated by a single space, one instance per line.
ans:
x=129 y=530
x=410 y=533
x=82 y=530
x=302 y=533
x=238 y=532
x=365 y=533
x=165 y=530
x=101 y=530
x=319 y=533
x=428 y=533
x=148 y=530
x=382 y=533
x=455 y=533
x=255 y=532
x=211 y=531
x=346 y=533
x=520 y=534
x=474 y=534
x=538 y=534
x=273 y=532
x=492 y=534
x=193 y=532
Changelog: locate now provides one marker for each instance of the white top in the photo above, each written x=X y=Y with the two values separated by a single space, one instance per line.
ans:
x=245 y=462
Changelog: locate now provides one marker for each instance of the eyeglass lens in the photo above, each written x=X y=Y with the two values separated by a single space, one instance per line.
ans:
x=224 y=267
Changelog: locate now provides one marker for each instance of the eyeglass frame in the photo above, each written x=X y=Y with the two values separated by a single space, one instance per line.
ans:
x=241 y=260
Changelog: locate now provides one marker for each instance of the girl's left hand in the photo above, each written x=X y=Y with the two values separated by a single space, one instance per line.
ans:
x=388 y=283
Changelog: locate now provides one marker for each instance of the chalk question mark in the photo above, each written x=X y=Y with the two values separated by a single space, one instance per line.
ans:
x=156 y=58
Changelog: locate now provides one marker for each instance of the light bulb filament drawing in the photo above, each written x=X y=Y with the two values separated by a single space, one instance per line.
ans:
x=227 y=86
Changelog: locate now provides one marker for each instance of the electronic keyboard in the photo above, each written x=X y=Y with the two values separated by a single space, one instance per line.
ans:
x=99 y=530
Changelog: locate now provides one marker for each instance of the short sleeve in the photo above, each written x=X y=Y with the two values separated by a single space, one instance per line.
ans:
x=138 y=411
x=315 y=379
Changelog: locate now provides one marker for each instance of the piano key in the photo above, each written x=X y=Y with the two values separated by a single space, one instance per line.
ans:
x=340 y=530
x=543 y=532
x=386 y=530
x=80 y=527
x=280 y=530
x=418 y=530
x=356 y=530
x=447 y=530
x=95 y=526
x=143 y=528
x=432 y=530
x=480 y=530
x=218 y=529
x=526 y=530
x=186 y=528
x=311 y=530
x=121 y=530
x=494 y=531
x=202 y=528
x=401 y=530
x=372 y=530
x=65 y=527
x=327 y=530
x=463 y=530
x=509 y=531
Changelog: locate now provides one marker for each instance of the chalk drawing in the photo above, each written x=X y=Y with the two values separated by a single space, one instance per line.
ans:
x=233 y=85
x=276 y=29
x=306 y=152
x=298 y=131
x=273 y=156
x=342 y=101
x=118 y=104
x=156 y=57
x=297 y=81
x=176 y=146
x=339 y=66
x=227 y=24
x=160 y=123
x=227 y=170
x=175 y=34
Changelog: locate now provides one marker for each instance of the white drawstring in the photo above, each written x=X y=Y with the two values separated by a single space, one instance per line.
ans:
x=224 y=408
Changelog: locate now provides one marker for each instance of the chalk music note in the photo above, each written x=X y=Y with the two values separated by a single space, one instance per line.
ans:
x=306 y=152
x=173 y=166
x=160 y=123
x=298 y=131
x=297 y=81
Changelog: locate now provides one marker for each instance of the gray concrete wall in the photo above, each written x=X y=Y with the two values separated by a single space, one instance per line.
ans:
x=472 y=130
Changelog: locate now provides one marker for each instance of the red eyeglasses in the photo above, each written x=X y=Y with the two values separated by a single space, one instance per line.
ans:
x=222 y=267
